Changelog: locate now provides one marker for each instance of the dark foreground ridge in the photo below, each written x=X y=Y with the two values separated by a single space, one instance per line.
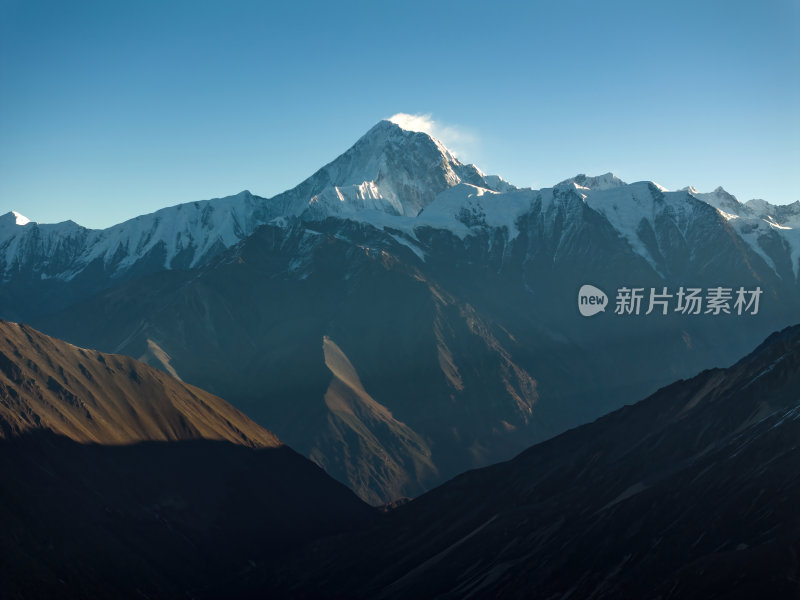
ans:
x=119 y=481
x=155 y=519
x=691 y=493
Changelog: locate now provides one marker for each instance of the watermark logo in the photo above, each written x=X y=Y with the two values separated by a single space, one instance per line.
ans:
x=591 y=300
x=663 y=301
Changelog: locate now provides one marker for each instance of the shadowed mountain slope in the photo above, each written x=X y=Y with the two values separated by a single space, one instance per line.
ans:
x=691 y=493
x=119 y=481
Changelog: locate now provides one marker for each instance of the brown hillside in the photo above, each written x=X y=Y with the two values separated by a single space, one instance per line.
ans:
x=88 y=396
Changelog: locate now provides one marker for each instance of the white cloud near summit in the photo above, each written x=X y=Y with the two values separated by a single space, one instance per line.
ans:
x=455 y=138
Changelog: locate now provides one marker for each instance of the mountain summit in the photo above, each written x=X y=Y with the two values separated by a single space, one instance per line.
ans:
x=389 y=169
x=599 y=182
x=15 y=217
x=388 y=172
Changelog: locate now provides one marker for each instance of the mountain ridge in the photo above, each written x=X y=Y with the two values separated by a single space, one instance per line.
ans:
x=121 y=481
x=389 y=177
x=685 y=494
x=91 y=397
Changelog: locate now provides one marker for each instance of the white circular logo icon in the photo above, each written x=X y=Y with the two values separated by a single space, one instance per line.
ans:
x=591 y=300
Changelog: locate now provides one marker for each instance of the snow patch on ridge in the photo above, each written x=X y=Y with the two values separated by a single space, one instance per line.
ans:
x=632 y=206
x=757 y=220
x=464 y=208
x=598 y=183
x=20 y=219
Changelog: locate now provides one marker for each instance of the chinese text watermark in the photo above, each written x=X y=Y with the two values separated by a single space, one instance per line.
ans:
x=685 y=300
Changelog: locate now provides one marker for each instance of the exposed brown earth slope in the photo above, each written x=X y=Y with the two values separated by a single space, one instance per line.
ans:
x=88 y=396
x=118 y=481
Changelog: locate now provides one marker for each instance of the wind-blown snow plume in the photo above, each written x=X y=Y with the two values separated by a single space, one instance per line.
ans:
x=454 y=137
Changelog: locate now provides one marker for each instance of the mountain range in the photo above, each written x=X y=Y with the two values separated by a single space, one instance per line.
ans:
x=120 y=481
x=400 y=317
x=417 y=330
x=688 y=494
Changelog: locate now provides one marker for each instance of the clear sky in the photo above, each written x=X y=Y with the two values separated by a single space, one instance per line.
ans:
x=113 y=109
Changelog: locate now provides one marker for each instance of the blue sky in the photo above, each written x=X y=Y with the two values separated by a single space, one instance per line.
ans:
x=112 y=109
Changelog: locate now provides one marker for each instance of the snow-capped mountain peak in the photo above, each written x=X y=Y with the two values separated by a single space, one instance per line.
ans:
x=20 y=219
x=389 y=169
x=759 y=223
x=392 y=178
x=599 y=182
x=14 y=218
x=389 y=172
x=720 y=199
